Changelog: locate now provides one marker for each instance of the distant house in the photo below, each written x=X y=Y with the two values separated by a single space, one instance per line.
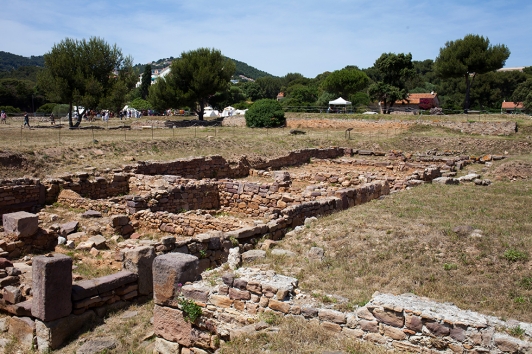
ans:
x=512 y=107
x=416 y=101
x=280 y=96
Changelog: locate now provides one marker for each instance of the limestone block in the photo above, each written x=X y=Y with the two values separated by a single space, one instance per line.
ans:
x=280 y=306
x=139 y=261
x=22 y=328
x=52 y=287
x=163 y=346
x=51 y=335
x=169 y=271
x=391 y=318
x=331 y=316
x=21 y=223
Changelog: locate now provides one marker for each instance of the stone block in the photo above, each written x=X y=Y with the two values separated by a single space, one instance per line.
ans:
x=21 y=223
x=68 y=228
x=195 y=293
x=220 y=301
x=139 y=261
x=163 y=346
x=22 y=328
x=92 y=287
x=119 y=220
x=170 y=324
x=280 y=306
x=170 y=271
x=331 y=316
x=51 y=335
x=52 y=287
x=390 y=318
x=236 y=294
x=12 y=294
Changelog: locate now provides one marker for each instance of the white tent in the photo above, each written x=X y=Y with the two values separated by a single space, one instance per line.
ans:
x=338 y=102
x=228 y=111
x=210 y=113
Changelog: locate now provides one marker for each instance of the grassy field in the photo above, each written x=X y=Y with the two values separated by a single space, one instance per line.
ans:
x=403 y=243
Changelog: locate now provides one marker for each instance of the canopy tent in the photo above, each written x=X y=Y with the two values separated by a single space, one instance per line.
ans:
x=228 y=111
x=338 y=102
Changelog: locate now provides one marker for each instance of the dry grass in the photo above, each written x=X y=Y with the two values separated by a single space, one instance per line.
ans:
x=298 y=336
x=405 y=243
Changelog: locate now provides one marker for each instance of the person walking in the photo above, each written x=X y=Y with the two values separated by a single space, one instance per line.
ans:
x=27 y=120
x=3 y=117
x=52 y=119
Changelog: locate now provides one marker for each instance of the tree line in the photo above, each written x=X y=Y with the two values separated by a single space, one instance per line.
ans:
x=94 y=74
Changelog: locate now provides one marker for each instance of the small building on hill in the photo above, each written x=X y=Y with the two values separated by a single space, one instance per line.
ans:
x=512 y=107
x=417 y=101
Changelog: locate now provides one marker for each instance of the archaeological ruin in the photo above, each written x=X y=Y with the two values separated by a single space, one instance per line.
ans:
x=165 y=226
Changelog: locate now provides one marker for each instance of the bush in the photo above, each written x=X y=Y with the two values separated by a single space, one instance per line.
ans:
x=265 y=113
x=46 y=108
x=9 y=109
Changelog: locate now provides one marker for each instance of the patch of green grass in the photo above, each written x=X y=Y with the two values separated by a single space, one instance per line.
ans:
x=514 y=255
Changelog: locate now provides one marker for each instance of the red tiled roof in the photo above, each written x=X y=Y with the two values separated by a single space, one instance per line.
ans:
x=512 y=105
x=414 y=98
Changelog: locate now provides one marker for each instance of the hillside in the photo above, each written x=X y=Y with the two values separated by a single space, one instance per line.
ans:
x=9 y=61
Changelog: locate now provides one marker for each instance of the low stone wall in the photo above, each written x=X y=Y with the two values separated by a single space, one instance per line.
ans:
x=482 y=128
x=406 y=322
x=21 y=194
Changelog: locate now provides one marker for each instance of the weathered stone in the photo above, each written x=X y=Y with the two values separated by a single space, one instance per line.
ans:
x=280 y=306
x=458 y=334
x=139 y=261
x=331 y=316
x=195 y=293
x=332 y=327
x=236 y=294
x=234 y=258
x=375 y=338
x=119 y=220
x=21 y=223
x=91 y=214
x=413 y=323
x=438 y=329
x=170 y=324
x=68 y=228
x=240 y=284
x=97 y=345
x=309 y=311
x=98 y=286
x=391 y=318
x=170 y=271
x=254 y=287
x=220 y=301
x=51 y=335
x=505 y=343
x=163 y=346
x=22 y=328
x=12 y=294
x=353 y=333
x=365 y=314
x=52 y=287
x=253 y=255
x=394 y=333
x=99 y=242
x=4 y=263
x=369 y=326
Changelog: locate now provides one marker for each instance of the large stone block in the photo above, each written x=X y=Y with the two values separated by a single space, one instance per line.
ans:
x=51 y=335
x=169 y=271
x=170 y=324
x=21 y=223
x=52 y=287
x=22 y=328
x=140 y=261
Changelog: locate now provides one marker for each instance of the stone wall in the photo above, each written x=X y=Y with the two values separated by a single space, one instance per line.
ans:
x=482 y=128
x=405 y=323
x=21 y=194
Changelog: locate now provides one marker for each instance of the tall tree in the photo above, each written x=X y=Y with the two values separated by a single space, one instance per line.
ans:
x=146 y=82
x=198 y=75
x=468 y=57
x=523 y=93
x=82 y=72
x=345 y=82
x=394 y=73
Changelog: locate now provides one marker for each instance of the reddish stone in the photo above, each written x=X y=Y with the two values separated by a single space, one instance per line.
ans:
x=170 y=324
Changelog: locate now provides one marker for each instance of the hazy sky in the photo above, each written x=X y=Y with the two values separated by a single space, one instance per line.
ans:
x=279 y=37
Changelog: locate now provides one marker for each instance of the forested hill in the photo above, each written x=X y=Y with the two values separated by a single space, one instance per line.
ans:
x=10 y=61
x=248 y=71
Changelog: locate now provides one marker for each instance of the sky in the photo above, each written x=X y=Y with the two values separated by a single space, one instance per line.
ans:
x=279 y=37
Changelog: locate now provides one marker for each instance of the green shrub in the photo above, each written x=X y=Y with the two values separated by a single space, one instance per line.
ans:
x=265 y=113
x=46 y=108
x=9 y=109
x=191 y=311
